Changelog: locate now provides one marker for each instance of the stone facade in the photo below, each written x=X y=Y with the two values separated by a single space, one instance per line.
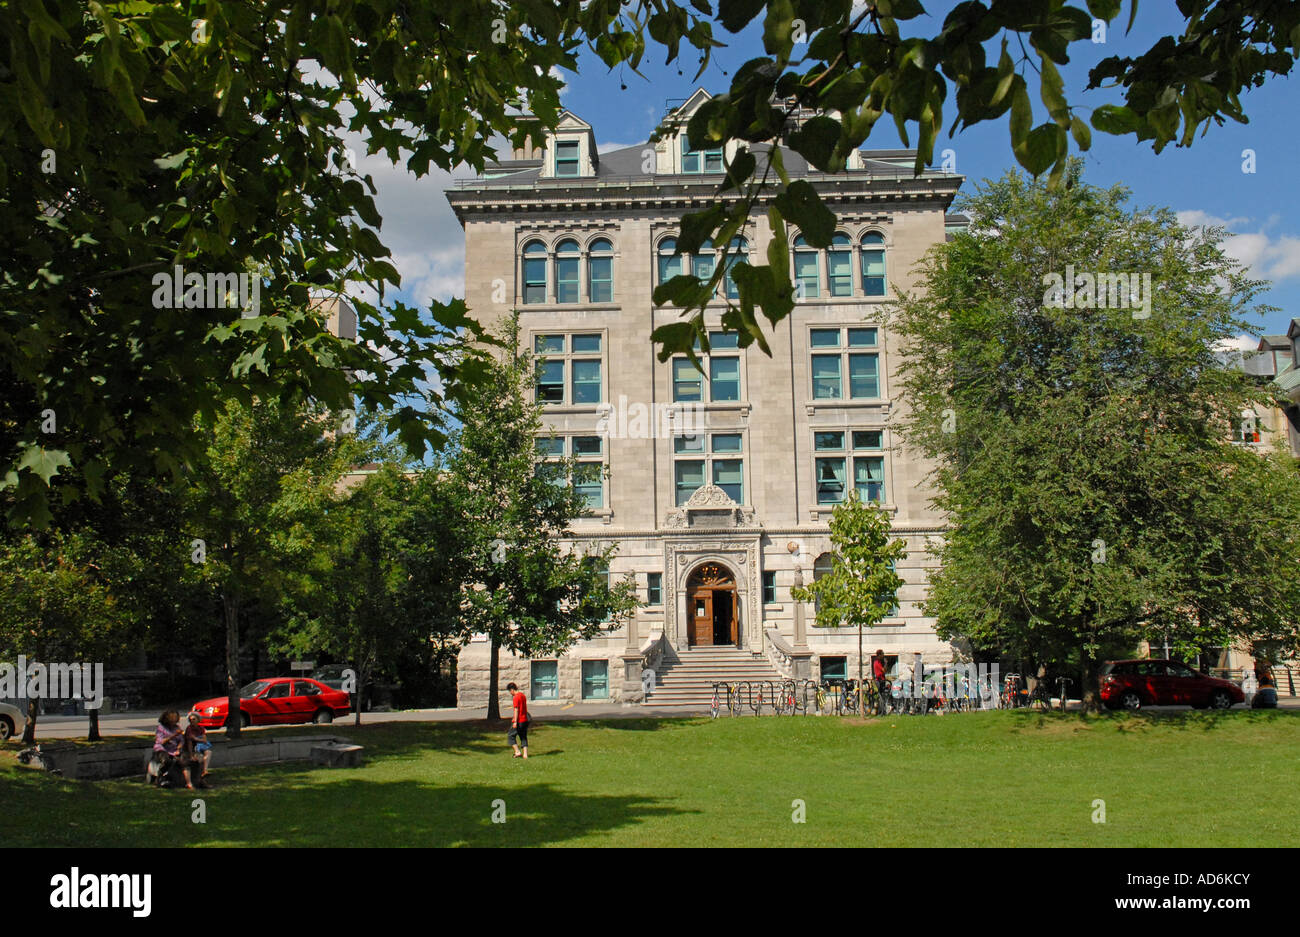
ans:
x=772 y=522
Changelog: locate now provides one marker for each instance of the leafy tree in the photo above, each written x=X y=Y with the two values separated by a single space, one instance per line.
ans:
x=1081 y=453
x=60 y=601
x=861 y=588
x=253 y=506
x=519 y=586
x=148 y=135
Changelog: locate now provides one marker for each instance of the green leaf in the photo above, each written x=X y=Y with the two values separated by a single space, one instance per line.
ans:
x=735 y=15
x=802 y=206
x=1082 y=134
x=1116 y=119
x=816 y=141
x=43 y=462
x=1052 y=89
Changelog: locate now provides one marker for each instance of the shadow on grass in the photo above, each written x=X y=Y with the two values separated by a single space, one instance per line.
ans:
x=281 y=807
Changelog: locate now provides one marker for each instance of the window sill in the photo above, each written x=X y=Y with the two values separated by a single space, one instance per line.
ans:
x=875 y=403
x=583 y=307
x=841 y=300
x=815 y=513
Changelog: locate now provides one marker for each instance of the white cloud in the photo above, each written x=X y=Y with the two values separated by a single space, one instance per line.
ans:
x=1266 y=256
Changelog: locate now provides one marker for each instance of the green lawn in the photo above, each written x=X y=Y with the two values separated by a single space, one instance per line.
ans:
x=996 y=779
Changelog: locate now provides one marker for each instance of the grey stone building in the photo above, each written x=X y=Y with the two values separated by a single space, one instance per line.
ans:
x=720 y=485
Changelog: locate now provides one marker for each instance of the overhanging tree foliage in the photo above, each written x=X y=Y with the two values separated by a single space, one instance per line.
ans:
x=1082 y=454
x=136 y=137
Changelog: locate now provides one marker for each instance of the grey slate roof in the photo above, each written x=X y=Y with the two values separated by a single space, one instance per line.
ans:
x=624 y=165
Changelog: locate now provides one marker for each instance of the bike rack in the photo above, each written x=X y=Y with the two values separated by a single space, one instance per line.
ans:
x=804 y=687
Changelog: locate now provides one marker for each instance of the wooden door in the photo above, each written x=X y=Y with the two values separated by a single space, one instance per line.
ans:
x=701 y=609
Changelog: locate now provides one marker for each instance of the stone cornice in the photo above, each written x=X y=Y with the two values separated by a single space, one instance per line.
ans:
x=675 y=195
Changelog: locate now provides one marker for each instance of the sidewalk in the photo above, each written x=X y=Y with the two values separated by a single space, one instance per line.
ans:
x=143 y=723
x=120 y=724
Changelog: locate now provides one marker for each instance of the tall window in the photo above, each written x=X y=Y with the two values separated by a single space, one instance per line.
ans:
x=837 y=352
x=873 y=264
x=837 y=453
x=577 y=357
x=738 y=253
x=722 y=364
x=671 y=264
x=568 y=261
x=566 y=158
x=806 y=275
x=534 y=272
x=715 y=456
x=700 y=161
x=546 y=682
x=839 y=266
x=595 y=679
x=654 y=589
x=600 y=271
x=769 y=588
x=588 y=478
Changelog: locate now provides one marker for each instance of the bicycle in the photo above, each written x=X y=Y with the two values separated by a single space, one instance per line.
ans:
x=713 y=706
x=849 y=703
x=1061 y=684
x=1010 y=697
x=1041 y=699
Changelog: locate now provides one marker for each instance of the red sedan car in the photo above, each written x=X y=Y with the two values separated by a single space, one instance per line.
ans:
x=1133 y=684
x=277 y=701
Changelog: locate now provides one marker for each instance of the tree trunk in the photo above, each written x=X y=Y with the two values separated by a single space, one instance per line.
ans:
x=1089 y=689
x=494 y=679
x=363 y=677
x=94 y=725
x=231 y=605
x=29 y=724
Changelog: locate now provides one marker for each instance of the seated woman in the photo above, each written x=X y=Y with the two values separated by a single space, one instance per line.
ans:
x=167 y=752
x=198 y=748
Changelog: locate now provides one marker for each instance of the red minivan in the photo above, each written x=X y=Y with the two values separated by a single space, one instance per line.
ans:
x=1133 y=684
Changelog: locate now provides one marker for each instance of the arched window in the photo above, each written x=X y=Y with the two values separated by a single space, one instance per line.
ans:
x=738 y=252
x=821 y=567
x=807 y=280
x=705 y=262
x=671 y=264
x=534 y=272
x=600 y=271
x=839 y=265
x=568 y=262
x=873 y=263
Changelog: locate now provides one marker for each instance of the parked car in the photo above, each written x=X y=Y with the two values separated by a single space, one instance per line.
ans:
x=1132 y=684
x=12 y=719
x=277 y=701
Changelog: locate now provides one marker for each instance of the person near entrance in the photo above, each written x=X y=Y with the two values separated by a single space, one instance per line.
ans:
x=518 y=734
x=878 y=670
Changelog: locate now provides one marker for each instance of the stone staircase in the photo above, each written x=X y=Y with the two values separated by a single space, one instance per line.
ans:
x=686 y=677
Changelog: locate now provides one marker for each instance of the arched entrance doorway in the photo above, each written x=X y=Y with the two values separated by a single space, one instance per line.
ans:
x=711 y=606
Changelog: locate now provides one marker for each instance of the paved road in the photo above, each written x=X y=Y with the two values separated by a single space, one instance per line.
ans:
x=119 y=724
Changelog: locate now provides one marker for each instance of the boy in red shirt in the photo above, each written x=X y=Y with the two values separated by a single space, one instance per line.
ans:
x=518 y=734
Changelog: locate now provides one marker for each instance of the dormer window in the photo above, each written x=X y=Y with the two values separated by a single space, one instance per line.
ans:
x=700 y=161
x=567 y=154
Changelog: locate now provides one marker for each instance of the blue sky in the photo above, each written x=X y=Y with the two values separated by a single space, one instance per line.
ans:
x=1204 y=183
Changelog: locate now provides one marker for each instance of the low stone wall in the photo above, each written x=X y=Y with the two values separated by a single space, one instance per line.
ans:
x=124 y=759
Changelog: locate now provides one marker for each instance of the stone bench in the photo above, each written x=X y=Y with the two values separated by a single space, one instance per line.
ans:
x=124 y=759
x=336 y=754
